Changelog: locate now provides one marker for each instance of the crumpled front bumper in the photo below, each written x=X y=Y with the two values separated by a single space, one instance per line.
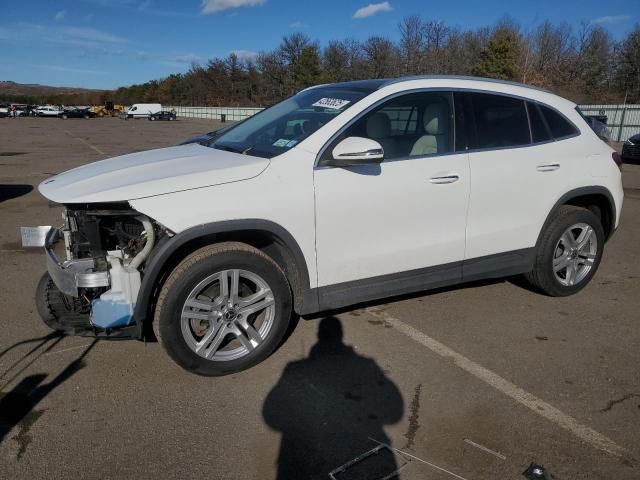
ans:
x=70 y=275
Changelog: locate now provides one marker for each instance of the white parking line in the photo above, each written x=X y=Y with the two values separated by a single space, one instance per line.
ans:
x=96 y=149
x=535 y=404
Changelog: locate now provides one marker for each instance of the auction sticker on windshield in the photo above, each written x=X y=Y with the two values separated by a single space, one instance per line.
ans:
x=333 y=103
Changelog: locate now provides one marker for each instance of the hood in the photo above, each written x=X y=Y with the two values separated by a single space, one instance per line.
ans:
x=150 y=173
x=635 y=139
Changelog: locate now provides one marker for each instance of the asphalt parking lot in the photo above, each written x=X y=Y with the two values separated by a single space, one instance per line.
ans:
x=477 y=381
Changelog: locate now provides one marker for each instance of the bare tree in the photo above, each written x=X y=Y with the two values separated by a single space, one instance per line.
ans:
x=381 y=55
x=411 y=44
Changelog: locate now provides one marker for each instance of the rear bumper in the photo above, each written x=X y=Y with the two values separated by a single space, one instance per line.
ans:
x=70 y=275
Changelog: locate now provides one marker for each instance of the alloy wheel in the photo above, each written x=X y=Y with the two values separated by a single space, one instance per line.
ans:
x=575 y=254
x=228 y=315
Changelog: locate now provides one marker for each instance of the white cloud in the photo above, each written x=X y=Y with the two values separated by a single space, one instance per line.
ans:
x=372 y=9
x=91 y=35
x=187 y=59
x=298 y=25
x=244 y=54
x=215 y=6
x=60 y=15
x=58 y=68
x=610 y=19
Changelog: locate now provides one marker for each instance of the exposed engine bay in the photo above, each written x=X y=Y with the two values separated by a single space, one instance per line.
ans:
x=95 y=264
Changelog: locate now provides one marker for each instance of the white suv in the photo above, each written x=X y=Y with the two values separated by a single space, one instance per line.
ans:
x=342 y=194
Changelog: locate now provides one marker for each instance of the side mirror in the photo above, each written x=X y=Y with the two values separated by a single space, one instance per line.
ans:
x=354 y=151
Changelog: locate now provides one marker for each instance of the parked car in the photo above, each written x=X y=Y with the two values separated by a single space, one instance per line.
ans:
x=48 y=111
x=141 y=110
x=76 y=113
x=341 y=194
x=163 y=115
x=4 y=110
x=631 y=148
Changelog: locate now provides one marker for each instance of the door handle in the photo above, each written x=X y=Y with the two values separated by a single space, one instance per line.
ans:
x=444 y=179
x=550 y=167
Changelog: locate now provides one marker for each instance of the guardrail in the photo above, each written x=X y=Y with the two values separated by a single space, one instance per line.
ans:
x=623 y=120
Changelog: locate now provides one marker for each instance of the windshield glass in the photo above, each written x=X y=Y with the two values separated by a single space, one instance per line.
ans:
x=286 y=124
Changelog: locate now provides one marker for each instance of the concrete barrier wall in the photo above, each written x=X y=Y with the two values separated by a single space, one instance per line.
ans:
x=623 y=120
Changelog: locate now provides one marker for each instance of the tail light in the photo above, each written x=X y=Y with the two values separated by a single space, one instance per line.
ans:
x=617 y=158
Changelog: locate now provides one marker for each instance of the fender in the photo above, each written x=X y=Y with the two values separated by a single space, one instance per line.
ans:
x=578 y=192
x=169 y=246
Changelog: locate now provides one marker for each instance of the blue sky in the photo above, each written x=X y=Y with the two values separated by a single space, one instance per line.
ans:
x=110 y=43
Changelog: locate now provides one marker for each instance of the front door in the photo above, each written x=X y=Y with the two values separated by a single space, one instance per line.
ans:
x=378 y=226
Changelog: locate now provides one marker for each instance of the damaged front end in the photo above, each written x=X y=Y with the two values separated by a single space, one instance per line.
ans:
x=95 y=262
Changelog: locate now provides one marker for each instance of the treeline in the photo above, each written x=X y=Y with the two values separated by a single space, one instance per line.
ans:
x=586 y=64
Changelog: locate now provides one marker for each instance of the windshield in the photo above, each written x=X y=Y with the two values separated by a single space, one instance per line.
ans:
x=286 y=124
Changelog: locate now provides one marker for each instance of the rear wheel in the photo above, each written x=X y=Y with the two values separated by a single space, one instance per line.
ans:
x=569 y=252
x=225 y=308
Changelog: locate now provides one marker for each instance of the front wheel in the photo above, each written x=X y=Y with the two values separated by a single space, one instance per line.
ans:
x=225 y=308
x=569 y=252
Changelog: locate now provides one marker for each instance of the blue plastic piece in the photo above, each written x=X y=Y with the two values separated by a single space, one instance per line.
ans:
x=110 y=314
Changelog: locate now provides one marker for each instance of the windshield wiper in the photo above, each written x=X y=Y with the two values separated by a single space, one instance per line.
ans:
x=227 y=148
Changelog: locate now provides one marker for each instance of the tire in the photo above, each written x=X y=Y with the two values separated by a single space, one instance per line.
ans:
x=549 y=275
x=65 y=117
x=239 y=345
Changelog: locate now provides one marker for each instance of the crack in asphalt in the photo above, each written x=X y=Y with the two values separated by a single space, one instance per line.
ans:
x=613 y=403
x=414 y=425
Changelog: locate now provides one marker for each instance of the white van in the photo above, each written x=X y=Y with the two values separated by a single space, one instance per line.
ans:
x=139 y=110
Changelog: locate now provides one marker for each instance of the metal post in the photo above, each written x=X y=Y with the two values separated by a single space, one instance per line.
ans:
x=624 y=112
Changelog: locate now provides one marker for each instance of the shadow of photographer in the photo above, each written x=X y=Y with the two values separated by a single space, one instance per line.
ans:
x=327 y=405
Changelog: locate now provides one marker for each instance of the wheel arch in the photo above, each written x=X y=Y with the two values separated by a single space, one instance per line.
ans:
x=269 y=237
x=598 y=199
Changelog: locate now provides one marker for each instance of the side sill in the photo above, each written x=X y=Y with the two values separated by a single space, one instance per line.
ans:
x=359 y=291
x=499 y=265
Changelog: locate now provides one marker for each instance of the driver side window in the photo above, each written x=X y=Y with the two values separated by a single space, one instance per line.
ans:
x=412 y=125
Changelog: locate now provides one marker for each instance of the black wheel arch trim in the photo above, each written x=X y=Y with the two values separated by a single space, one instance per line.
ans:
x=166 y=248
x=575 y=193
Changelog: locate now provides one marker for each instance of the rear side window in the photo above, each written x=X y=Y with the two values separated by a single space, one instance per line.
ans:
x=539 y=130
x=499 y=121
x=558 y=125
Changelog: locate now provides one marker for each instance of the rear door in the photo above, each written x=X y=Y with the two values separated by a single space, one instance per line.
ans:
x=518 y=171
